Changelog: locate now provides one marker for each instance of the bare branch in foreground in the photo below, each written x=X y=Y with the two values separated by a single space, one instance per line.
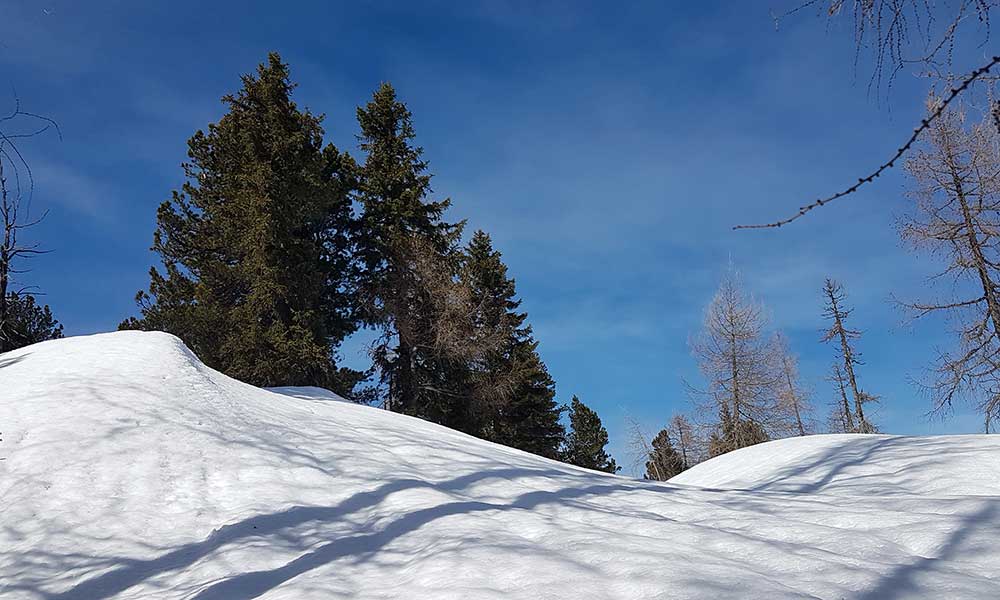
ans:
x=924 y=124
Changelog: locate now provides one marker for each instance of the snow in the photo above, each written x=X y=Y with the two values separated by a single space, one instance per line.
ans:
x=130 y=470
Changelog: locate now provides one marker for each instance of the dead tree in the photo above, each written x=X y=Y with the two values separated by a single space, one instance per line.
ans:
x=839 y=334
x=956 y=188
x=16 y=188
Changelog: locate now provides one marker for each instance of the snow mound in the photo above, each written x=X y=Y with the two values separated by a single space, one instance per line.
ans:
x=864 y=465
x=130 y=470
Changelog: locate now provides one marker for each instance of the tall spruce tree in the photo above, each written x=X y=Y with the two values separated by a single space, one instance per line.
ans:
x=586 y=439
x=255 y=247
x=409 y=259
x=516 y=395
x=664 y=459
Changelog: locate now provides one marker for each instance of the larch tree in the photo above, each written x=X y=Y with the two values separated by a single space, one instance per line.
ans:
x=737 y=360
x=837 y=312
x=682 y=433
x=256 y=245
x=933 y=37
x=586 y=440
x=840 y=420
x=955 y=178
x=792 y=397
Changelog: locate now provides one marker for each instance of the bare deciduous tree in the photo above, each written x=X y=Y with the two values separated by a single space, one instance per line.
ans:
x=792 y=397
x=841 y=420
x=685 y=439
x=837 y=312
x=956 y=189
x=736 y=359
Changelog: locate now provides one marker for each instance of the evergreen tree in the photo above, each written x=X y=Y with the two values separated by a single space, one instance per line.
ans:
x=409 y=261
x=255 y=247
x=733 y=433
x=27 y=323
x=664 y=460
x=514 y=392
x=586 y=440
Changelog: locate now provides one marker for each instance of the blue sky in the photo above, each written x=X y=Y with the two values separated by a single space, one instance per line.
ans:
x=608 y=149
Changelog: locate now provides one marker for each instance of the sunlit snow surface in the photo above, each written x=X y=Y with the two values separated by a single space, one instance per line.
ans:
x=130 y=470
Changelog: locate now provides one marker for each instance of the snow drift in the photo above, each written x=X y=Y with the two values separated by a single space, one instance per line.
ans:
x=130 y=470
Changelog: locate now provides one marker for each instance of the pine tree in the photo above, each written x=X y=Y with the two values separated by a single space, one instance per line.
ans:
x=255 y=247
x=410 y=263
x=839 y=334
x=586 y=439
x=27 y=323
x=515 y=396
x=664 y=459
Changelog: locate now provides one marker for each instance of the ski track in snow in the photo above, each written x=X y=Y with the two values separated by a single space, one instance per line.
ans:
x=130 y=470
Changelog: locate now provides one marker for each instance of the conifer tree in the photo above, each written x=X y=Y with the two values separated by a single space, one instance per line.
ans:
x=409 y=260
x=839 y=334
x=733 y=433
x=955 y=186
x=514 y=393
x=738 y=362
x=586 y=439
x=841 y=420
x=255 y=246
x=664 y=459
x=792 y=397
x=683 y=435
x=27 y=323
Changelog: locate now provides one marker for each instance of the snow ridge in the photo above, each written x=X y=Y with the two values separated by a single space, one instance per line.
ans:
x=128 y=469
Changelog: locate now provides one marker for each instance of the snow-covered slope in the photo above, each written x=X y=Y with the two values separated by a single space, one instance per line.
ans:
x=130 y=470
x=860 y=465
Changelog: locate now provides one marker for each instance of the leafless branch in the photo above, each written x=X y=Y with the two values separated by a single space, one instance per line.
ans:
x=924 y=124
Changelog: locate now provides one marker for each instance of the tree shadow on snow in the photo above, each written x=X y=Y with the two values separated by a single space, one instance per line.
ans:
x=902 y=582
x=252 y=584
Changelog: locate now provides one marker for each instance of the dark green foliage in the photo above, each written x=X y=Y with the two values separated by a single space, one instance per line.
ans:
x=512 y=388
x=586 y=440
x=664 y=460
x=394 y=185
x=27 y=323
x=409 y=264
x=255 y=247
x=734 y=433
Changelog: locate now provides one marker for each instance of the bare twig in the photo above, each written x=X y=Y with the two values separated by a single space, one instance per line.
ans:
x=924 y=124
